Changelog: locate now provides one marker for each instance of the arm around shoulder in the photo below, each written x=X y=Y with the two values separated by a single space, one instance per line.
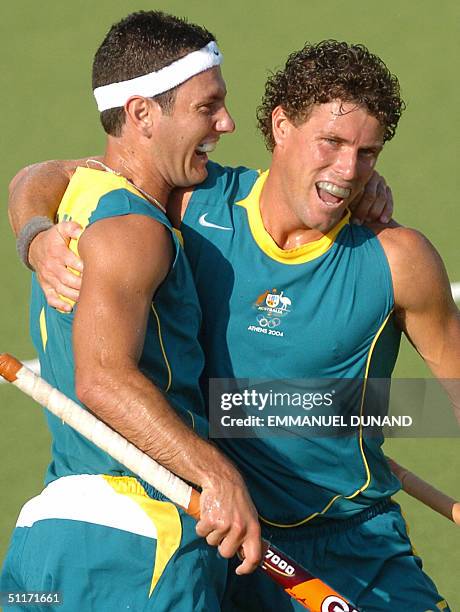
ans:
x=36 y=190
x=34 y=197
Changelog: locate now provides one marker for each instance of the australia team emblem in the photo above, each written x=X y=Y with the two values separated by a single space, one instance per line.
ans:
x=271 y=306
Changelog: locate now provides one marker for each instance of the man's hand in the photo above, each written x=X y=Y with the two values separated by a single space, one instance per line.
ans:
x=51 y=258
x=229 y=521
x=374 y=203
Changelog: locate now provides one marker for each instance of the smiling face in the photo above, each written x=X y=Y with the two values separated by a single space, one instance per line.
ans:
x=184 y=137
x=324 y=162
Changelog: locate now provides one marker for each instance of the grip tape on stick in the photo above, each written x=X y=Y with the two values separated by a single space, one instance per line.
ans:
x=98 y=432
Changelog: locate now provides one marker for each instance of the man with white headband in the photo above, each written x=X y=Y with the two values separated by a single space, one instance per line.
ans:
x=98 y=535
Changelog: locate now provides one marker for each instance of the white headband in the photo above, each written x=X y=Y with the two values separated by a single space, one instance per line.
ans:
x=155 y=83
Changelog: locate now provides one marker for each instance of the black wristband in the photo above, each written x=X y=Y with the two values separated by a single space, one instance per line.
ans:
x=32 y=228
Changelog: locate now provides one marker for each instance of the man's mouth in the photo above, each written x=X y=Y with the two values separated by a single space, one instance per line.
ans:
x=332 y=194
x=206 y=147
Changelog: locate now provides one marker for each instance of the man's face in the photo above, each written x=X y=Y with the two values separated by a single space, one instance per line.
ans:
x=198 y=119
x=326 y=161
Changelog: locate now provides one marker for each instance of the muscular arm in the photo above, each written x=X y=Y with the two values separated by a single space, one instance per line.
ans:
x=424 y=305
x=38 y=189
x=109 y=332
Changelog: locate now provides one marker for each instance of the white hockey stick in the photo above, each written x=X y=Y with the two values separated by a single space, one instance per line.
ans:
x=100 y=434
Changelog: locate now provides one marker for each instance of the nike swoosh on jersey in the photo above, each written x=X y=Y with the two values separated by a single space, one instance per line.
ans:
x=202 y=221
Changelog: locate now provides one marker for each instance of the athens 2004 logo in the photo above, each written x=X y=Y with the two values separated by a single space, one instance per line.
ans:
x=271 y=306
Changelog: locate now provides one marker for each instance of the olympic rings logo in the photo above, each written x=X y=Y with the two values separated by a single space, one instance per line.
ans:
x=271 y=323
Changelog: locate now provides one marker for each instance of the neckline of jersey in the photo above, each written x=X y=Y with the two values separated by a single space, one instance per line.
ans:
x=115 y=179
x=298 y=255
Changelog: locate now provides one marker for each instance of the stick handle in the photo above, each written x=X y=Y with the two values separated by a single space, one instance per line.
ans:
x=100 y=434
x=426 y=493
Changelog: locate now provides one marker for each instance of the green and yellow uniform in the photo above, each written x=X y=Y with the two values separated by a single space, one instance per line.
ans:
x=322 y=312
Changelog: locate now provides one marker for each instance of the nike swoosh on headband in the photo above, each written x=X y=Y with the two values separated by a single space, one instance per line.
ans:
x=202 y=221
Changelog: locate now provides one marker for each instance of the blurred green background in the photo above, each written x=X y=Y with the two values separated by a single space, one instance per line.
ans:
x=48 y=112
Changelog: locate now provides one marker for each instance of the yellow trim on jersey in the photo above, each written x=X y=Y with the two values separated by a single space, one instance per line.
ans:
x=299 y=255
x=160 y=338
x=368 y=473
x=164 y=515
x=366 y=376
x=82 y=196
x=43 y=329
x=179 y=236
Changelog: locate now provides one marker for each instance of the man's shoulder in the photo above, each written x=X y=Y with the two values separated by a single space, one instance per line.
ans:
x=223 y=187
x=416 y=267
x=121 y=247
x=123 y=201
x=122 y=218
x=402 y=243
x=93 y=195
x=231 y=183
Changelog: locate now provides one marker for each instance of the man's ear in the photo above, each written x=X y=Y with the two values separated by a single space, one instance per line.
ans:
x=141 y=113
x=281 y=126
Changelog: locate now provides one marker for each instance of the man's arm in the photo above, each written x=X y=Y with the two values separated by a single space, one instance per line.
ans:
x=36 y=191
x=424 y=306
x=109 y=333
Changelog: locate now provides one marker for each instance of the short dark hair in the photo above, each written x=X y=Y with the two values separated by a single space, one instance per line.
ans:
x=140 y=43
x=327 y=71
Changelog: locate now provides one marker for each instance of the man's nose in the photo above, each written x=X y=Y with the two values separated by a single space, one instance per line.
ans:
x=225 y=123
x=347 y=164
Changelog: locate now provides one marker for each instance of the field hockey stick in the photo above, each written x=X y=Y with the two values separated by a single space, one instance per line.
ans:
x=311 y=592
x=426 y=493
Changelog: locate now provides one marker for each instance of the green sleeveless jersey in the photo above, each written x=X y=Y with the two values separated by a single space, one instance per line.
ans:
x=171 y=358
x=319 y=311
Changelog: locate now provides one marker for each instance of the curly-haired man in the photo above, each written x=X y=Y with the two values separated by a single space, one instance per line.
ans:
x=340 y=295
x=290 y=289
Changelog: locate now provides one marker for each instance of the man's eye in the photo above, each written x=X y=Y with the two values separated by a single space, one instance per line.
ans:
x=367 y=153
x=332 y=141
